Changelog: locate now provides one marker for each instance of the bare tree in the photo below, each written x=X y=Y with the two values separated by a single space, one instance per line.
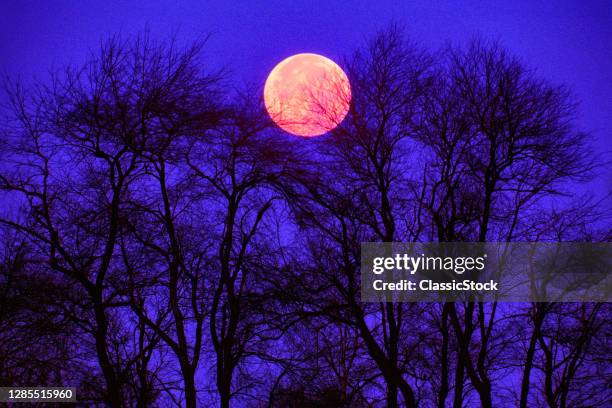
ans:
x=354 y=193
x=77 y=151
x=238 y=166
x=501 y=140
x=168 y=245
x=34 y=333
x=180 y=104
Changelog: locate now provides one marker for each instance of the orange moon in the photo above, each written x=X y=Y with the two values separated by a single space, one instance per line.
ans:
x=307 y=95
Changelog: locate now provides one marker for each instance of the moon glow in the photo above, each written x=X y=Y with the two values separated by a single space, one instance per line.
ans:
x=307 y=95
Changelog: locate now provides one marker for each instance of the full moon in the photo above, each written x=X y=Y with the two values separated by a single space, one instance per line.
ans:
x=307 y=95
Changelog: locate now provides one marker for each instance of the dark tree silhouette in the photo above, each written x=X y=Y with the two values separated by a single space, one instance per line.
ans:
x=79 y=145
x=357 y=192
x=163 y=244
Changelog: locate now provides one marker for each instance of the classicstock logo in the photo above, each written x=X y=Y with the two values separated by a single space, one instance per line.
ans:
x=501 y=271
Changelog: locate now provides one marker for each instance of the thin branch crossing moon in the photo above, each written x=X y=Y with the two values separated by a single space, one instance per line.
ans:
x=307 y=95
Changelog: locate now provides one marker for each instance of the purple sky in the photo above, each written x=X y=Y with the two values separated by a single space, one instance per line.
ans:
x=565 y=41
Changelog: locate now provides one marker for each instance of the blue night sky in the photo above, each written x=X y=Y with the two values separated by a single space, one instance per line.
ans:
x=565 y=41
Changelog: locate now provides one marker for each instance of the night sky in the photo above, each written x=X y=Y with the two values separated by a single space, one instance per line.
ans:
x=565 y=41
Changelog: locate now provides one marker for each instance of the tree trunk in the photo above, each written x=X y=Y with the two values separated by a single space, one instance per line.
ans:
x=391 y=395
x=190 y=389
x=529 y=362
x=443 y=394
x=224 y=388
x=113 y=392
x=459 y=379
